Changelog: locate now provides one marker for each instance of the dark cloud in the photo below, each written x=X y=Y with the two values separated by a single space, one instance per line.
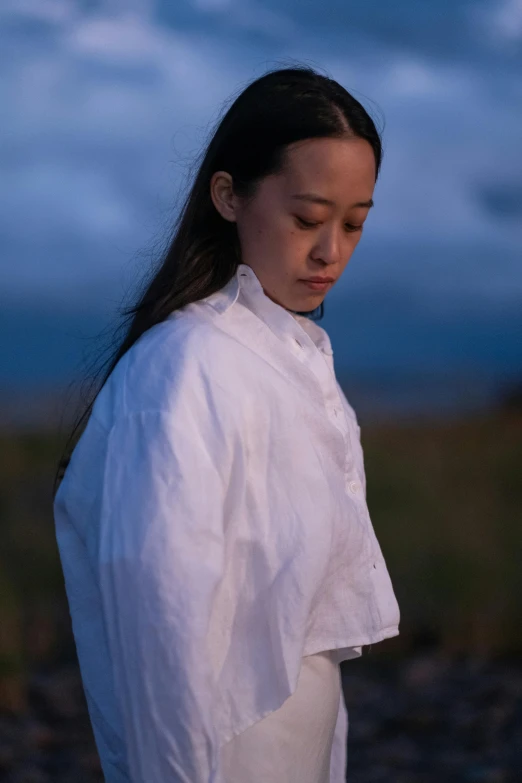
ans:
x=501 y=199
x=460 y=30
x=106 y=110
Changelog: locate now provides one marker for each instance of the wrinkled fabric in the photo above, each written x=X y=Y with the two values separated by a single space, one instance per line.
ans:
x=213 y=529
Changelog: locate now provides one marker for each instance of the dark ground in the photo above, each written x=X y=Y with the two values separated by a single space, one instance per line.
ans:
x=415 y=718
x=434 y=719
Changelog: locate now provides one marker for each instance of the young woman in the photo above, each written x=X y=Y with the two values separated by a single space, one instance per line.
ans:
x=218 y=555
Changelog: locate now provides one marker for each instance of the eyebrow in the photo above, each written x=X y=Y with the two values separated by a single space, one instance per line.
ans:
x=320 y=200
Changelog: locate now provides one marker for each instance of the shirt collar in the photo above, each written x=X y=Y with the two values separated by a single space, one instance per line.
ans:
x=298 y=331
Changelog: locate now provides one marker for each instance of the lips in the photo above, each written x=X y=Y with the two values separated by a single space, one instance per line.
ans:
x=319 y=280
x=315 y=285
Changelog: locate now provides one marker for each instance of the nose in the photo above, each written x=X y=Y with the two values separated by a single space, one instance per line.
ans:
x=328 y=247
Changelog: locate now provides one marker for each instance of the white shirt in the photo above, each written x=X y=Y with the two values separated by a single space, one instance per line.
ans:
x=213 y=530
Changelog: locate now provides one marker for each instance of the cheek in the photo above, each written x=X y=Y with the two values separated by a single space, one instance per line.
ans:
x=268 y=231
x=350 y=245
x=273 y=230
x=295 y=245
x=262 y=223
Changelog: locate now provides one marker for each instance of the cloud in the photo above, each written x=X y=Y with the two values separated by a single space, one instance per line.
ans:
x=212 y=5
x=502 y=198
x=250 y=16
x=51 y=11
x=498 y=23
x=105 y=108
x=506 y=19
x=417 y=78
x=97 y=110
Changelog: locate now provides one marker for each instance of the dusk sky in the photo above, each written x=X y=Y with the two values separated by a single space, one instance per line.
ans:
x=105 y=104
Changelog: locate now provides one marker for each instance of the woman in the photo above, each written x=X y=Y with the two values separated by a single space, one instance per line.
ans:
x=218 y=554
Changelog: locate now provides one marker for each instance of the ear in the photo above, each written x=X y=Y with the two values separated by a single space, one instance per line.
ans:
x=222 y=195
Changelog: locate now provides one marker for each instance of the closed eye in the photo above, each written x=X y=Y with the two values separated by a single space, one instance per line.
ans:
x=307 y=224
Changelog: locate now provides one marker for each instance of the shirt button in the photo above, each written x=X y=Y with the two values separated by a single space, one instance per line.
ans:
x=353 y=486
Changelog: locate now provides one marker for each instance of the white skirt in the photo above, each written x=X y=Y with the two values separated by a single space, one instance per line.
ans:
x=294 y=743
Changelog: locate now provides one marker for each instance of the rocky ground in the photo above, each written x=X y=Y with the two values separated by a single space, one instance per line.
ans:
x=434 y=719
x=421 y=718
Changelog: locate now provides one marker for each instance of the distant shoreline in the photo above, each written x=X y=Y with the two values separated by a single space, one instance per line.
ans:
x=375 y=396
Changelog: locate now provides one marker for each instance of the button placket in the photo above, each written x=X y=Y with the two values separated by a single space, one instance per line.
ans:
x=352 y=480
x=343 y=424
x=335 y=411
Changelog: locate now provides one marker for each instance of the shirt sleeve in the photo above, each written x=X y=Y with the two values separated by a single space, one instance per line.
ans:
x=160 y=563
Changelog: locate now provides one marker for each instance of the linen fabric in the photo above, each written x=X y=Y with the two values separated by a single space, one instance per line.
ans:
x=213 y=529
x=294 y=743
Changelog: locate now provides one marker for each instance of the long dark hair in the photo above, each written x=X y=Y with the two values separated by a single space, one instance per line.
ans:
x=283 y=106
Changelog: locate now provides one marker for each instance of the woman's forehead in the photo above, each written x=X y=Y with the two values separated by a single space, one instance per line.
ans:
x=329 y=169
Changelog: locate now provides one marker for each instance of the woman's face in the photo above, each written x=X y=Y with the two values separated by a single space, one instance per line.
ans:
x=306 y=220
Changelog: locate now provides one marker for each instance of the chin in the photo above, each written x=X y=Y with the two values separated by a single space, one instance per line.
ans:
x=311 y=303
x=314 y=300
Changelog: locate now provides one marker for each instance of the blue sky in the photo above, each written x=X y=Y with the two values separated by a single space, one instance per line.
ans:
x=106 y=103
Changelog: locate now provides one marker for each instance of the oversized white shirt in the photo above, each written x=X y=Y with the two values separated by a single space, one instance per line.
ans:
x=213 y=529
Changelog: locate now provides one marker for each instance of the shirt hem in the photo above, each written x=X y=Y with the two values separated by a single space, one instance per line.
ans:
x=335 y=644
x=319 y=646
